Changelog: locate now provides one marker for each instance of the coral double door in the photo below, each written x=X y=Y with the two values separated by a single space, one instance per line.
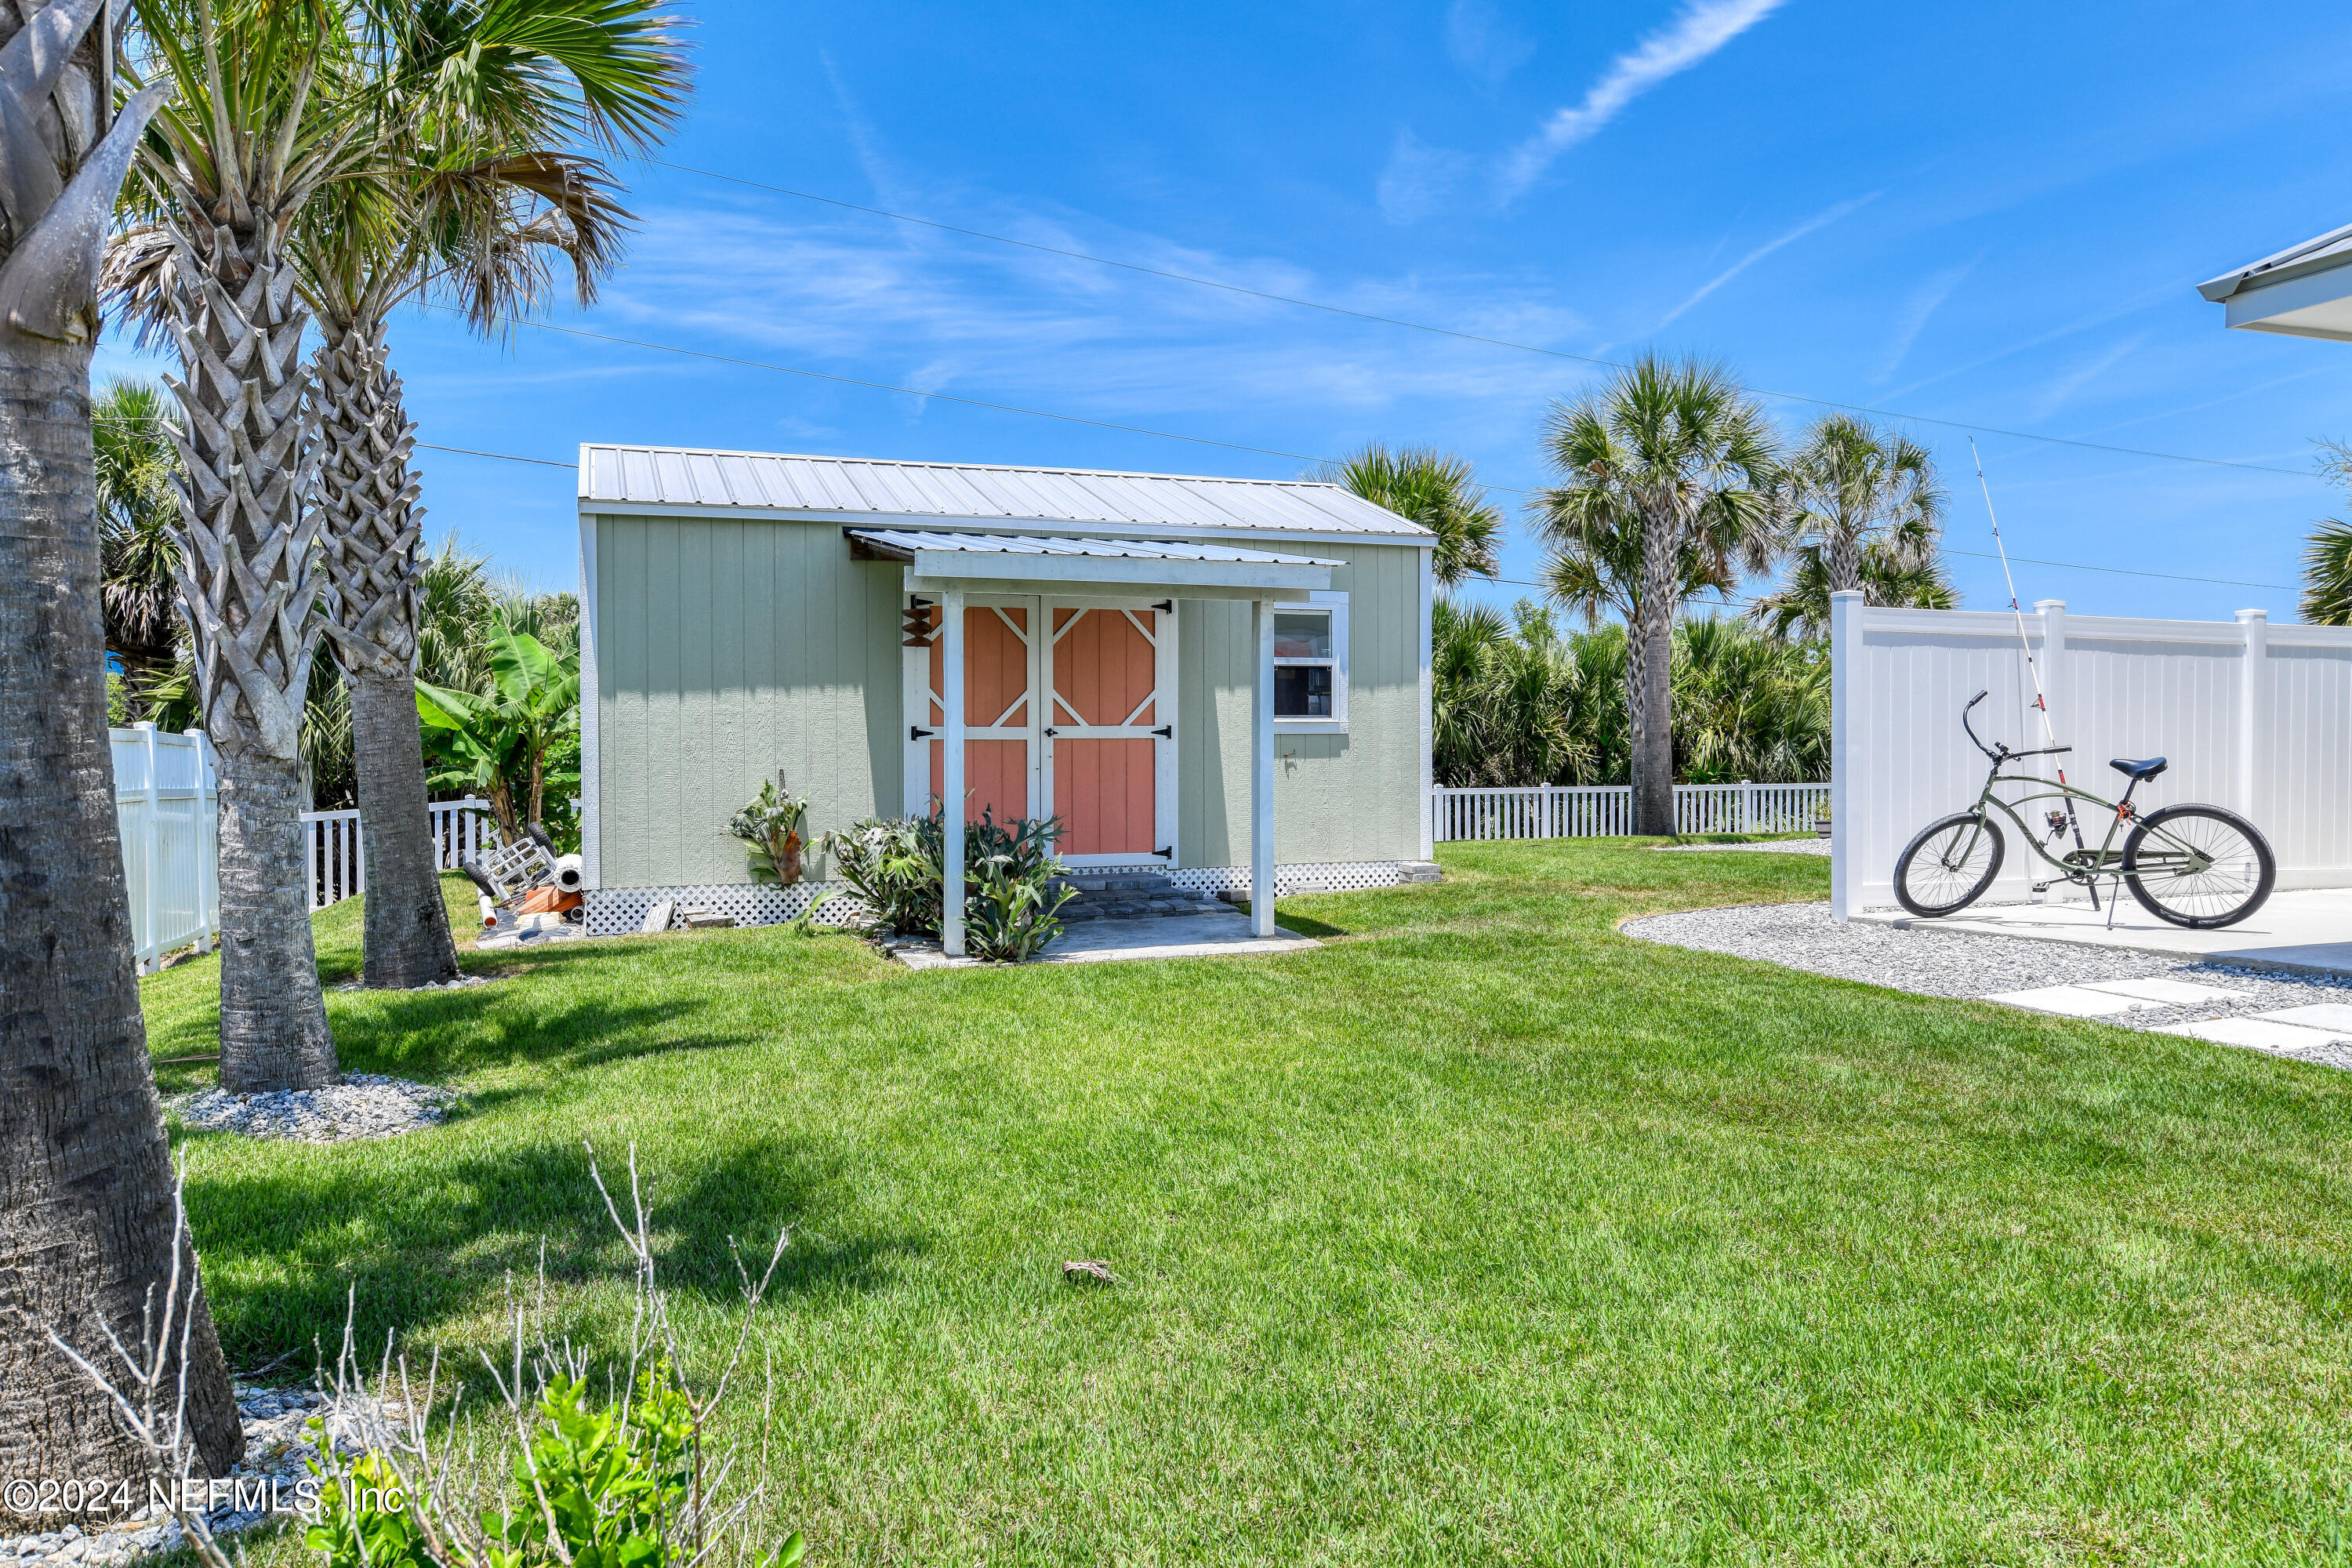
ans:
x=1069 y=711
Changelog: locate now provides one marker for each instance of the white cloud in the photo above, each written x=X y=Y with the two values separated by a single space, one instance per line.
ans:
x=1418 y=179
x=1483 y=43
x=1818 y=221
x=2061 y=391
x=1924 y=302
x=1702 y=29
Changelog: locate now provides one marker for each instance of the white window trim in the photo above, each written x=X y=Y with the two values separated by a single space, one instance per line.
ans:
x=1337 y=603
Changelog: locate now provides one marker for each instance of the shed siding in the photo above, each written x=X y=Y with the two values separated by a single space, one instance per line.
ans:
x=727 y=649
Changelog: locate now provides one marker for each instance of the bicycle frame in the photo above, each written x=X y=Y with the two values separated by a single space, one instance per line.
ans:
x=2081 y=864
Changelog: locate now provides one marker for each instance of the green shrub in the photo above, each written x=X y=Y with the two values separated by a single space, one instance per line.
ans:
x=771 y=825
x=1010 y=903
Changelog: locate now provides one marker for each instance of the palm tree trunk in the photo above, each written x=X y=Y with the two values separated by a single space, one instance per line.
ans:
x=1844 y=559
x=248 y=578
x=1653 y=629
x=371 y=527
x=86 y=1201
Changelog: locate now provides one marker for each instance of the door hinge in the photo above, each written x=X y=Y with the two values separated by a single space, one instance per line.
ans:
x=1167 y=854
x=1166 y=606
x=1166 y=732
x=916 y=731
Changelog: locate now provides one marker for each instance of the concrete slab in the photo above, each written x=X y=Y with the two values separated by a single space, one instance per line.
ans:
x=2333 y=1017
x=2166 y=992
x=2260 y=1034
x=2073 y=1001
x=1112 y=942
x=2307 y=930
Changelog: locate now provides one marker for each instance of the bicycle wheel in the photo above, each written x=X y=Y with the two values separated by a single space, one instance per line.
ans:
x=2198 y=865
x=1949 y=864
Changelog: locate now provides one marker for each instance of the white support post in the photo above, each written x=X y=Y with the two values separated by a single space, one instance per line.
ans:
x=1747 y=806
x=206 y=837
x=2253 y=700
x=1845 y=841
x=1261 y=891
x=150 y=840
x=951 y=780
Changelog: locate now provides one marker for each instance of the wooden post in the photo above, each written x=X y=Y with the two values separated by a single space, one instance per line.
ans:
x=1261 y=891
x=951 y=780
x=1845 y=840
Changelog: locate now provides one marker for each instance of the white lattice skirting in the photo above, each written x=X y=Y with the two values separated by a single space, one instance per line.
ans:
x=619 y=911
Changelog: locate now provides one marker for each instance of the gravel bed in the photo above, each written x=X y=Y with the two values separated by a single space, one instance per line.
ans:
x=275 y=1449
x=1966 y=964
x=1776 y=847
x=463 y=982
x=363 y=1105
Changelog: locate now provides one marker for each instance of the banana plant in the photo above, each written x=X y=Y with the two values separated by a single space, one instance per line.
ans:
x=500 y=742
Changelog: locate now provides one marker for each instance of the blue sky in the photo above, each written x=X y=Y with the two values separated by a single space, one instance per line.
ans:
x=1993 y=213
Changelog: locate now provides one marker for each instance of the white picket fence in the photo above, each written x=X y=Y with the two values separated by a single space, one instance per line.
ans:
x=335 y=858
x=1601 y=811
x=163 y=807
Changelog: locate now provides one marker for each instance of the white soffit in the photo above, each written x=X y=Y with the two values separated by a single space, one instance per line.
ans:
x=2303 y=291
x=942 y=556
x=849 y=487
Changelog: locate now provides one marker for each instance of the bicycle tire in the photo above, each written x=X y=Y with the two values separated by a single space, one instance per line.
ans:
x=1925 y=907
x=2265 y=869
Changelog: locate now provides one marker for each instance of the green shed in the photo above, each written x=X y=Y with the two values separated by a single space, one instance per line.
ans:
x=1224 y=680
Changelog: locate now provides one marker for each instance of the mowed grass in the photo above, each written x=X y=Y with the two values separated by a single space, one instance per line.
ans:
x=1483 y=1233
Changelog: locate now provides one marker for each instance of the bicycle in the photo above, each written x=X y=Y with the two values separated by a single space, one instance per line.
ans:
x=2195 y=865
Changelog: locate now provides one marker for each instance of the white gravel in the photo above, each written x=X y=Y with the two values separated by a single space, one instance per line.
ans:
x=1961 y=963
x=274 y=1448
x=1776 y=847
x=363 y=1105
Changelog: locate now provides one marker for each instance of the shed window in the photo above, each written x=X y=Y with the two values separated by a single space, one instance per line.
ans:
x=1310 y=669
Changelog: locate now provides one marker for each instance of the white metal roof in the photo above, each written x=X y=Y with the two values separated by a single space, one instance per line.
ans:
x=908 y=540
x=2331 y=249
x=620 y=476
x=2304 y=290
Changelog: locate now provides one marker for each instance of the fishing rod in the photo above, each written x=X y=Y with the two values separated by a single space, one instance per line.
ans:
x=2041 y=698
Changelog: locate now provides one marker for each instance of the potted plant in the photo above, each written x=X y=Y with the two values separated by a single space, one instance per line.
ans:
x=771 y=825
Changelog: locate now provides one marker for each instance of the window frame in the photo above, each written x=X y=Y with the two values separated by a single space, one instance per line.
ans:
x=1337 y=724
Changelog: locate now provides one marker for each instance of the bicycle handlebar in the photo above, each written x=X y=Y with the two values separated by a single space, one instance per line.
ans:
x=1998 y=752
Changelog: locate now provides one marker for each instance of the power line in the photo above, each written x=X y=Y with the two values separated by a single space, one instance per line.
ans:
x=1448 y=332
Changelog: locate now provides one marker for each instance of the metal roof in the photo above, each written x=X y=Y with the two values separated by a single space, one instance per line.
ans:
x=902 y=542
x=673 y=475
x=2330 y=250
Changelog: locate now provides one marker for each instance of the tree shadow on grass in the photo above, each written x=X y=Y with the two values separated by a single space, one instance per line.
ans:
x=425 y=1245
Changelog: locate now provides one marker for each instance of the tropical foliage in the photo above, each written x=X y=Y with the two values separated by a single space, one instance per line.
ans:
x=2327 y=554
x=1520 y=702
x=1013 y=894
x=1437 y=490
x=132 y=428
x=1676 y=456
x=1862 y=512
x=771 y=825
x=509 y=741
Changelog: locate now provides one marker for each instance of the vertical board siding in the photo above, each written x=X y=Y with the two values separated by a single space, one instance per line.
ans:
x=2119 y=689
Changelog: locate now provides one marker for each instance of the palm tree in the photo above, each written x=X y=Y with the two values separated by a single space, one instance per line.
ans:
x=1750 y=706
x=134 y=430
x=1435 y=490
x=477 y=199
x=1851 y=487
x=87 y=1212
x=1678 y=458
x=1800 y=606
x=2327 y=554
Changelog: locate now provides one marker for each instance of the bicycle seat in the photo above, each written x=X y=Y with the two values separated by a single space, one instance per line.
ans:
x=2138 y=773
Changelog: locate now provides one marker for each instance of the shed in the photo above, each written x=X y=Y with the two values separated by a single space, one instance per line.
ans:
x=2304 y=290
x=1225 y=680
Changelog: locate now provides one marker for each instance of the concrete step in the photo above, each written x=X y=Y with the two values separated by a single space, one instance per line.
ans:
x=1139 y=903
x=1145 y=882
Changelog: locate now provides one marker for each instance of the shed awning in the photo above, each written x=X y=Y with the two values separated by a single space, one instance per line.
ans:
x=937 y=556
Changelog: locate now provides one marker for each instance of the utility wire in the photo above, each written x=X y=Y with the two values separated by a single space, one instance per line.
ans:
x=1449 y=331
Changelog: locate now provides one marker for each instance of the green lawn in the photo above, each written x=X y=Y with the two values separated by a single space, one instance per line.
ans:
x=1483 y=1233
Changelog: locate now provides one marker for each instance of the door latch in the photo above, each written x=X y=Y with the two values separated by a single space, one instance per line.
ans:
x=1050 y=730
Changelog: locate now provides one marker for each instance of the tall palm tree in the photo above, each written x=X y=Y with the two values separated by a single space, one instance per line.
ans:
x=2327 y=554
x=1437 y=490
x=87 y=1215
x=475 y=195
x=1851 y=487
x=1678 y=458
x=1800 y=606
x=134 y=431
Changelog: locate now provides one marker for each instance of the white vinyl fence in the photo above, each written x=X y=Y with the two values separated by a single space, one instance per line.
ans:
x=2251 y=717
x=163 y=795
x=1601 y=811
x=336 y=862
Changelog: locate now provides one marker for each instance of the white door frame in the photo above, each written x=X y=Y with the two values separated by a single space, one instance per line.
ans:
x=916 y=698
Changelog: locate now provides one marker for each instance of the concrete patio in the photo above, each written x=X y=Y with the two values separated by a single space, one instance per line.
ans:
x=2307 y=930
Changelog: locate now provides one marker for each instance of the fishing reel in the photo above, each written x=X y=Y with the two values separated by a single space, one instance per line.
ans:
x=2059 y=821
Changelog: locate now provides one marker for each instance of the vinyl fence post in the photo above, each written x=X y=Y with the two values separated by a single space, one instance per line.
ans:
x=1747 y=806
x=2252 y=700
x=151 y=851
x=206 y=834
x=1845 y=840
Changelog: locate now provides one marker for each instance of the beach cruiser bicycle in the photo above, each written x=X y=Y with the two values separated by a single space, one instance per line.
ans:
x=2195 y=865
